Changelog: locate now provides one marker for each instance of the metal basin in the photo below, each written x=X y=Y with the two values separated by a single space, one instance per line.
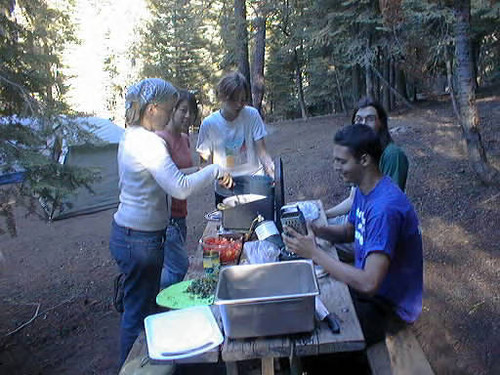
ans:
x=267 y=299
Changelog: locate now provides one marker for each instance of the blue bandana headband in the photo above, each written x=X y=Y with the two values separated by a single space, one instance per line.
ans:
x=149 y=90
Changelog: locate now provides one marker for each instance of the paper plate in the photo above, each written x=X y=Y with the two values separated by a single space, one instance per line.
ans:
x=176 y=297
x=181 y=333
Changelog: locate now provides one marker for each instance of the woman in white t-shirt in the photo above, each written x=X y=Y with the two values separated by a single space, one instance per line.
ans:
x=146 y=173
x=233 y=137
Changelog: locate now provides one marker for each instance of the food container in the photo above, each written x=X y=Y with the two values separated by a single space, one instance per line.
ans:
x=228 y=247
x=267 y=299
x=240 y=210
x=239 y=216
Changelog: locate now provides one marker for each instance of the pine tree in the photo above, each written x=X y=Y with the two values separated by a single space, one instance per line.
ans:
x=180 y=44
x=469 y=116
x=35 y=117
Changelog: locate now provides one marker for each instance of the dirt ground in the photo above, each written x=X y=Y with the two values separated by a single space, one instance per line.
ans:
x=64 y=270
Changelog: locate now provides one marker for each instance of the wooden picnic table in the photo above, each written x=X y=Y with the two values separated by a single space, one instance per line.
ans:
x=334 y=294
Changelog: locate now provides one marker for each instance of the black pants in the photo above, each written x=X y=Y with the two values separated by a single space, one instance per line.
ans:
x=376 y=316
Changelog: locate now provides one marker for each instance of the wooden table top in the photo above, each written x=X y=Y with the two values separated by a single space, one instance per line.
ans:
x=334 y=294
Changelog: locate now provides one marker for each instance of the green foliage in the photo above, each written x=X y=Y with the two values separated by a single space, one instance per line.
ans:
x=227 y=26
x=180 y=43
x=486 y=39
x=34 y=116
x=280 y=94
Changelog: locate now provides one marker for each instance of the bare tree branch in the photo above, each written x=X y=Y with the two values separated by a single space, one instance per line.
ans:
x=37 y=314
x=396 y=92
x=24 y=93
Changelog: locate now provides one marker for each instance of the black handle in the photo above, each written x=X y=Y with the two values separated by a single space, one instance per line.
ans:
x=333 y=323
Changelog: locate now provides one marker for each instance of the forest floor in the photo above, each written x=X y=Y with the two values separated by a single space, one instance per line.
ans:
x=64 y=268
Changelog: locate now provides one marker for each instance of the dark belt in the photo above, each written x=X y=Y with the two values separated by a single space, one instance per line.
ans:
x=130 y=231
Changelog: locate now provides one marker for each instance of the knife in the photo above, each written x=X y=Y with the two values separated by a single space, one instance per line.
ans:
x=323 y=314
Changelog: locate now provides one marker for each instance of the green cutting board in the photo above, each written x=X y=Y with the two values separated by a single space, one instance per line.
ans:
x=176 y=297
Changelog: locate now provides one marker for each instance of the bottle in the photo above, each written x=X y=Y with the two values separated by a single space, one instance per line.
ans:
x=266 y=230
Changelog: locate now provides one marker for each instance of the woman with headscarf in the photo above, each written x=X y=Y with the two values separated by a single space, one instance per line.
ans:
x=146 y=173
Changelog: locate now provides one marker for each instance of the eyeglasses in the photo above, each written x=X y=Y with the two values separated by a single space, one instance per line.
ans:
x=365 y=119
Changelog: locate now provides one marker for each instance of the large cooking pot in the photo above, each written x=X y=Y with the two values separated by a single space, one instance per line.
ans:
x=240 y=210
x=261 y=185
x=269 y=205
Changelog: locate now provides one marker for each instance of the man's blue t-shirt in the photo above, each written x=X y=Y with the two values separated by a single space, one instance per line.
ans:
x=384 y=221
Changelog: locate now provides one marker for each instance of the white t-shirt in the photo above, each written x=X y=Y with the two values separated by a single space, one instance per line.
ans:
x=147 y=172
x=232 y=143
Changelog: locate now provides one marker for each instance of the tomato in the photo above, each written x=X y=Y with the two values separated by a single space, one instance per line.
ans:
x=228 y=248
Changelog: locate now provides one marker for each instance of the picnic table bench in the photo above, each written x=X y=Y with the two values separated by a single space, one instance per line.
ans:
x=334 y=294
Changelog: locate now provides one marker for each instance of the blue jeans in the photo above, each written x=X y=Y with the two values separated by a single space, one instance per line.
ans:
x=175 y=261
x=139 y=255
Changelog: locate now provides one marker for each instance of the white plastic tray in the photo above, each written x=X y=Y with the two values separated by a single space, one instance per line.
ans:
x=181 y=333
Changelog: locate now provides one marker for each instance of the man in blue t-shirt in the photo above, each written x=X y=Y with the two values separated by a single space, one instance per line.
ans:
x=387 y=276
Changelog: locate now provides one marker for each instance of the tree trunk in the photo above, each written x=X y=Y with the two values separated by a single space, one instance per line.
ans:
x=386 y=100
x=356 y=83
x=241 y=45
x=392 y=83
x=401 y=82
x=377 y=81
x=476 y=50
x=369 y=82
x=449 y=77
x=258 y=63
x=467 y=96
x=298 y=81
x=339 y=92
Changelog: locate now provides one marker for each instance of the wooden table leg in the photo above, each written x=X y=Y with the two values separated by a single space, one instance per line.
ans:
x=268 y=366
x=295 y=365
x=231 y=368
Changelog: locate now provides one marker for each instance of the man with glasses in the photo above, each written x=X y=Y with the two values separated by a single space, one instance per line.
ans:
x=393 y=163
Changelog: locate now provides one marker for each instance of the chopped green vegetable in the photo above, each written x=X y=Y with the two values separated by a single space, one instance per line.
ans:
x=203 y=288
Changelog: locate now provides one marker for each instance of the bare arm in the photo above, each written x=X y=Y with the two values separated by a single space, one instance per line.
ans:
x=343 y=207
x=367 y=280
x=334 y=233
x=264 y=157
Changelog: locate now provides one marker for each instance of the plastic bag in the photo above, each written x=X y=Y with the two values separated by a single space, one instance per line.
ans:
x=261 y=252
